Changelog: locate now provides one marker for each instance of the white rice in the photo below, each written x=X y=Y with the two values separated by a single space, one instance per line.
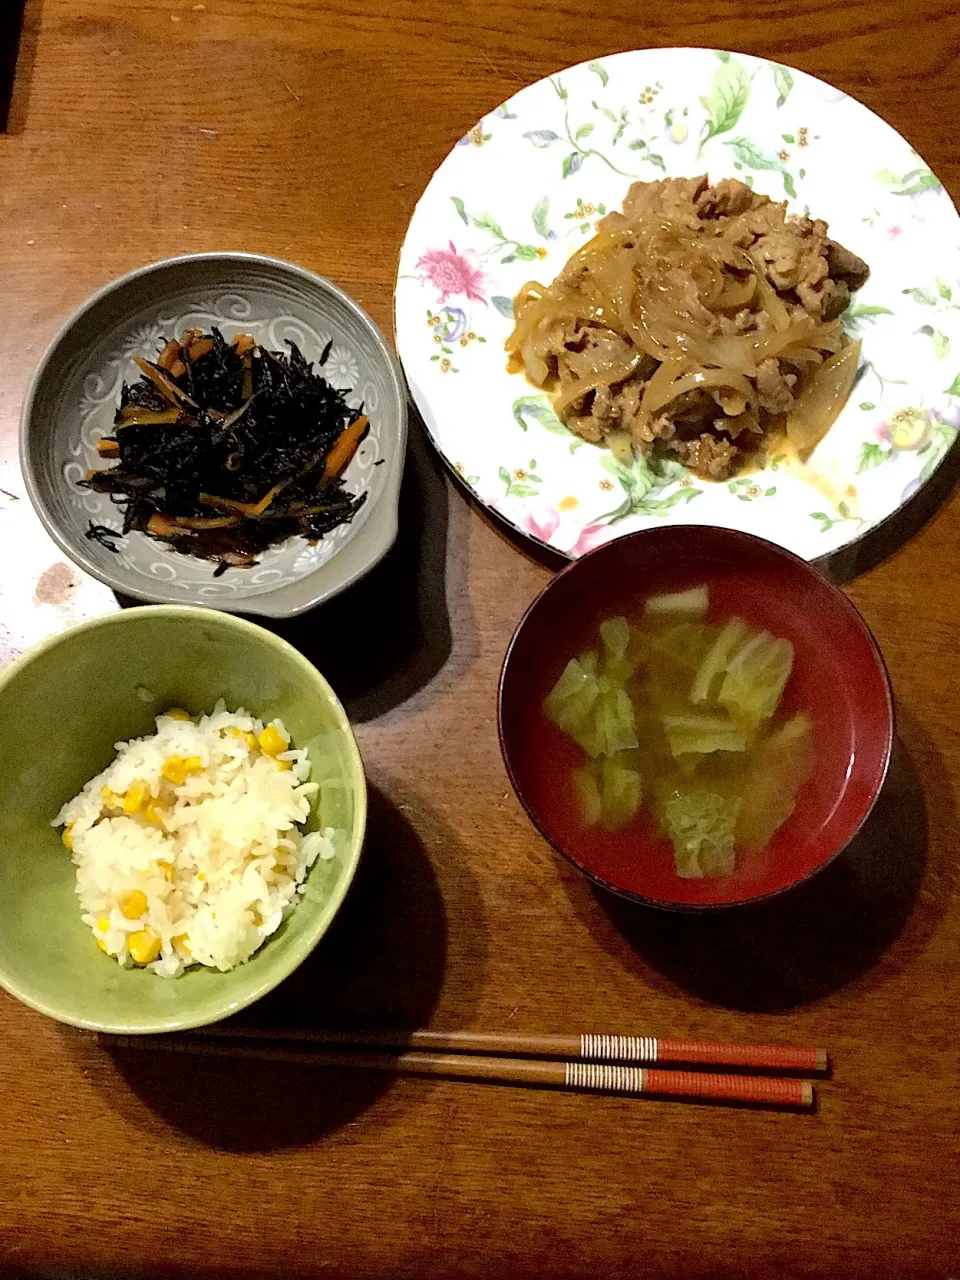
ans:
x=219 y=861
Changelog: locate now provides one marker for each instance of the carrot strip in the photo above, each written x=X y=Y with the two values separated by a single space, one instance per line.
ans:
x=170 y=356
x=163 y=384
x=132 y=416
x=163 y=528
x=345 y=446
x=244 y=508
x=214 y=522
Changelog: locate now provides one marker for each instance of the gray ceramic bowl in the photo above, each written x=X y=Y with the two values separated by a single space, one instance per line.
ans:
x=71 y=401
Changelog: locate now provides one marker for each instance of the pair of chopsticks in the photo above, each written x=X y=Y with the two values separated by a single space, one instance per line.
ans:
x=587 y=1063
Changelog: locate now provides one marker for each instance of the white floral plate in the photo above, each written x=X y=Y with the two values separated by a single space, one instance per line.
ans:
x=525 y=187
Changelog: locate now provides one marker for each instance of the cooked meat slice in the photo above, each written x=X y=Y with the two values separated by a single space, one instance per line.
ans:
x=587 y=428
x=673 y=197
x=836 y=302
x=645 y=433
x=731 y=402
x=733 y=427
x=598 y=347
x=846 y=266
x=773 y=387
x=711 y=457
x=728 y=196
x=604 y=408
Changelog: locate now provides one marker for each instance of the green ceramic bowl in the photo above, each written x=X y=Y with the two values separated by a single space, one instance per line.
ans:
x=63 y=705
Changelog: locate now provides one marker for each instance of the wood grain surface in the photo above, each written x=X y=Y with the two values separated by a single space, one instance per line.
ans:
x=143 y=128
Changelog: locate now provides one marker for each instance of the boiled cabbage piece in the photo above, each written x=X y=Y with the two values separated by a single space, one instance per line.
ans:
x=693 y=604
x=783 y=763
x=594 y=709
x=706 y=683
x=745 y=672
x=701 y=824
x=703 y=734
x=608 y=793
x=756 y=677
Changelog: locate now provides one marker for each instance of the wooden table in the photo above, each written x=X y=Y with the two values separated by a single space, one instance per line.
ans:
x=143 y=128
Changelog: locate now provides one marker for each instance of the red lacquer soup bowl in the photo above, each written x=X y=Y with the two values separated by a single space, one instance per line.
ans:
x=839 y=680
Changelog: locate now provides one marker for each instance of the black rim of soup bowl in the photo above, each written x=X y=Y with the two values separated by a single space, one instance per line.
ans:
x=736 y=538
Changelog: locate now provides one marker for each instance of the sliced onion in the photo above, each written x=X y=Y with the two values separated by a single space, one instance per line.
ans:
x=725 y=352
x=620 y=444
x=770 y=300
x=652 y=403
x=538 y=371
x=803 y=355
x=605 y=376
x=772 y=342
x=818 y=405
x=735 y=294
x=653 y=395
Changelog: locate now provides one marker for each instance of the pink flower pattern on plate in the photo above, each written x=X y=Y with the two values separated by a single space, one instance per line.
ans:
x=591 y=536
x=542 y=527
x=452 y=273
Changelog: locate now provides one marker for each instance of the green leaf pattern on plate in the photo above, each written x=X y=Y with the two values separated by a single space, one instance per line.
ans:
x=751 y=157
x=645 y=487
x=726 y=100
x=912 y=183
x=783 y=80
x=541 y=211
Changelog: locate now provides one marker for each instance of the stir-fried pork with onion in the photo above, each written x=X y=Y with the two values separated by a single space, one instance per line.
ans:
x=698 y=323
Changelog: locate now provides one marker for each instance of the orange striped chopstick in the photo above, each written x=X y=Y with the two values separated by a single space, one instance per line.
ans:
x=578 y=1076
x=588 y=1048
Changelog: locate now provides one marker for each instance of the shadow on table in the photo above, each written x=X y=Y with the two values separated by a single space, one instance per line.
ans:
x=807 y=943
x=388 y=635
x=381 y=965
x=891 y=534
x=19 y=29
x=536 y=552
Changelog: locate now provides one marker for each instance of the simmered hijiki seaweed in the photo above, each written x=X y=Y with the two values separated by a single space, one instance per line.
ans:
x=224 y=449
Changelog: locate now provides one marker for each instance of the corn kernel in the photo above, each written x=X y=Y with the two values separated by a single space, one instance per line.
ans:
x=180 y=940
x=133 y=904
x=144 y=946
x=135 y=797
x=173 y=770
x=102 y=945
x=109 y=798
x=178 y=713
x=193 y=764
x=103 y=924
x=66 y=835
x=272 y=741
x=284 y=764
x=154 y=815
x=167 y=869
x=201 y=876
x=250 y=738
